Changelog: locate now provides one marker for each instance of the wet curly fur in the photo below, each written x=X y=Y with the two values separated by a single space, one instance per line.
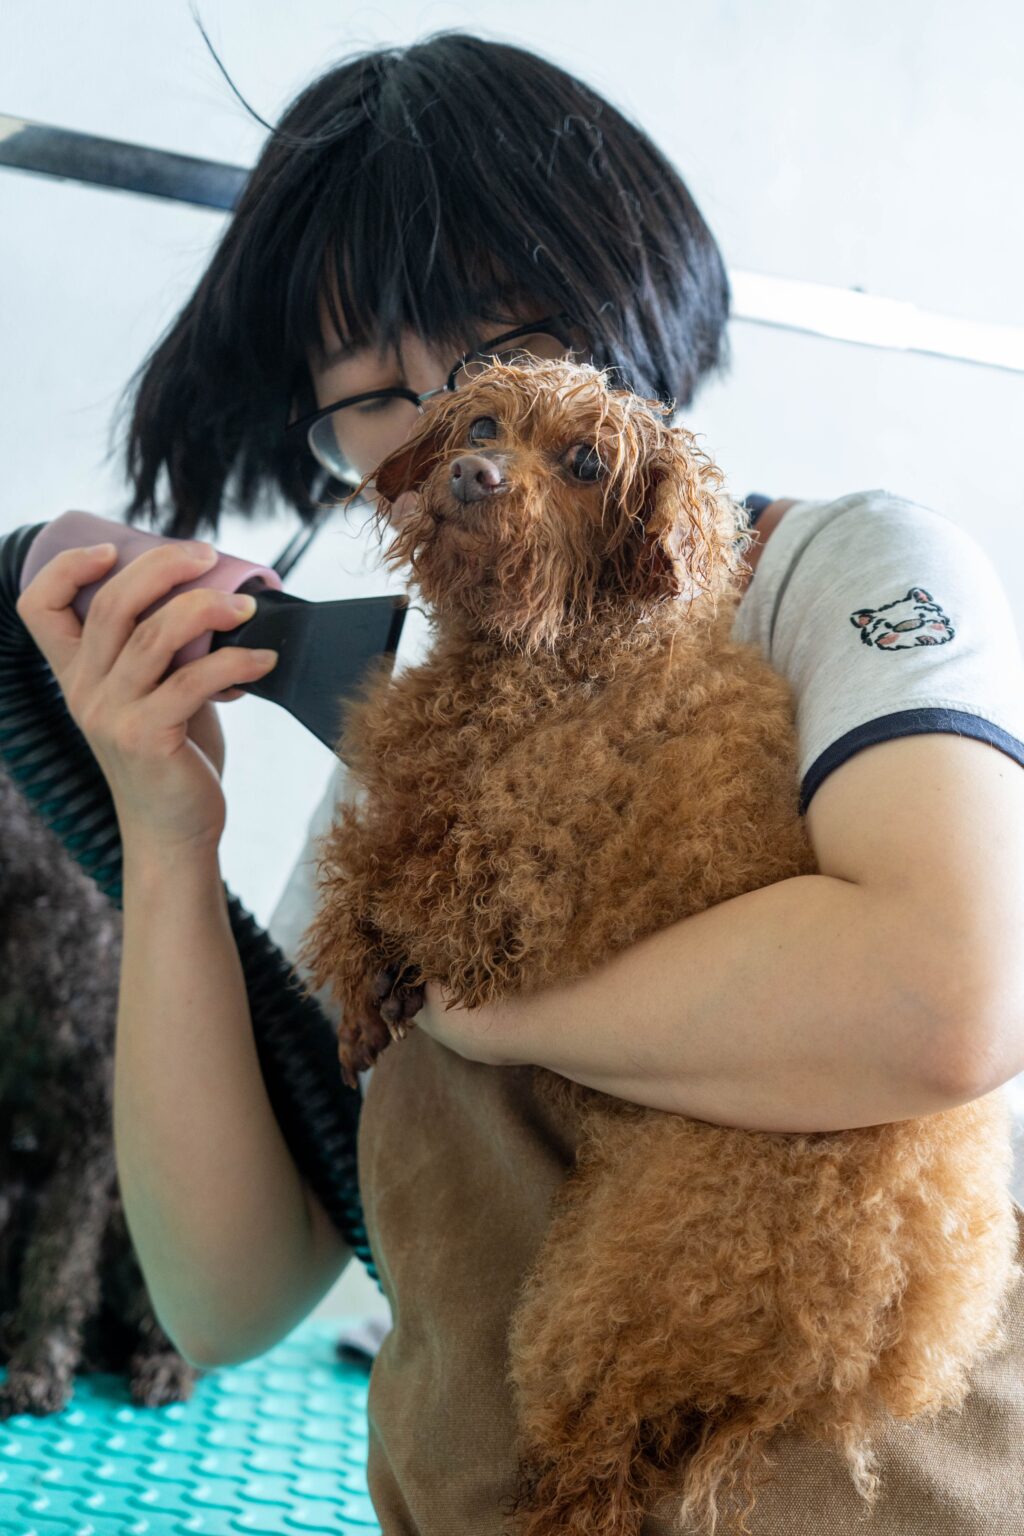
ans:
x=584 y=757
x=72 y=1296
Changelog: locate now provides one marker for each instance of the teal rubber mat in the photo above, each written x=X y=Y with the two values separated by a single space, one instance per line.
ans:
x=275 y=1445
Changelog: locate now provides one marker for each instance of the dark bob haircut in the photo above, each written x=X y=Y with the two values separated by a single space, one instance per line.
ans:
x=433 y=185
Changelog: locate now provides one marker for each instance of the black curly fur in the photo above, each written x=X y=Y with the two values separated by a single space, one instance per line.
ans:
x=72 y=1296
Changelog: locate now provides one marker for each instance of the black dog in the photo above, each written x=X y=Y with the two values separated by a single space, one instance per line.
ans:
x=72 y=1295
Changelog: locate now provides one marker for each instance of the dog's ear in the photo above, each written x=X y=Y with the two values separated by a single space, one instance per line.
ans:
x=678 y=526
x=658 y=567
x=408 y=467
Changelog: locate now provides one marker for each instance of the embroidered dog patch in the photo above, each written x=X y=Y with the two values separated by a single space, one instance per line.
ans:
x=915 y=619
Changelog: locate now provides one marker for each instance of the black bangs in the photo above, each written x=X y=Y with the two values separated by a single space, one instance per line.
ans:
x=426 y=189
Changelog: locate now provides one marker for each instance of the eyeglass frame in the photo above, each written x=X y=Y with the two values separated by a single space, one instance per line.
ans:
x=302 y=426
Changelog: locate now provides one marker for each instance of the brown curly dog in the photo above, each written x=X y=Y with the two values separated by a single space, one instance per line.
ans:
x=585 y=757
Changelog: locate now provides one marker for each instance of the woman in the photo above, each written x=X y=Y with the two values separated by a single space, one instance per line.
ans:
x=414 y=204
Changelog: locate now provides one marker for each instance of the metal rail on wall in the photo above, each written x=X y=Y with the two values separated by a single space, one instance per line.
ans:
x=815 y=309
x=73 y=156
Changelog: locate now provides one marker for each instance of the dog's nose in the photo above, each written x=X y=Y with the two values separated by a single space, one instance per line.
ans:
x=474 y=477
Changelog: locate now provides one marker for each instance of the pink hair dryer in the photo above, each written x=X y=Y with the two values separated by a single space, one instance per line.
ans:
x=323 y=648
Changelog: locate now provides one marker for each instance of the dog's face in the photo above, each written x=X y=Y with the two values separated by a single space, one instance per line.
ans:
x=536 y=488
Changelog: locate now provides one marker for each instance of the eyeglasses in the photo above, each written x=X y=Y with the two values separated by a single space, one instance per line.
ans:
x=352 y=436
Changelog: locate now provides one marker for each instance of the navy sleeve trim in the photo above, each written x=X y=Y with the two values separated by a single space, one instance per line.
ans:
x=755 y=504
x=906 y=722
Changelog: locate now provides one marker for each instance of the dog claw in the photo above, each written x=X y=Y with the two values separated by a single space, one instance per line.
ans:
x=395 y=1004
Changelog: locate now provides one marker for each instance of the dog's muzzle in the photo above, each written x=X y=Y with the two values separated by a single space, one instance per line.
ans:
x=474 y=477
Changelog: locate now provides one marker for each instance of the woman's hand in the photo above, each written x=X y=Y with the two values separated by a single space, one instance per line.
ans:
x=478 y=1034
x=156 y=737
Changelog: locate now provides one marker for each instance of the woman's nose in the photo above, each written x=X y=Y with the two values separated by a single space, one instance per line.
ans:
x=474 y=477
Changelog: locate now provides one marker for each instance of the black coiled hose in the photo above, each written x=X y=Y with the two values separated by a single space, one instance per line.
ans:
x=49 y=758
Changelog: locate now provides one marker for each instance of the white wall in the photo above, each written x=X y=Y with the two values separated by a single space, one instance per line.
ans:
x=874 y=145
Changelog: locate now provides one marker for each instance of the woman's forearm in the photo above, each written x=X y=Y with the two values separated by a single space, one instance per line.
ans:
x=801 y=1006
x=215 y=1204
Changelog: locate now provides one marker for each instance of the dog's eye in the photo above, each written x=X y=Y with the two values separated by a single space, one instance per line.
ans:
x=483 y=430
x=584 y=462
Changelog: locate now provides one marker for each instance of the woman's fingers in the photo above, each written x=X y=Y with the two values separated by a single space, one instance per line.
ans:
x=153 y=731
x=155 y=641
x=45 y=605
x=114 y=611
x=113 y=647
x=188 y=688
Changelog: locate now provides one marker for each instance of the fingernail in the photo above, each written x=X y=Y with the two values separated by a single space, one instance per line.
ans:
x=100 y=549
x=266 y=656
x=202 y=551
x=244 y=603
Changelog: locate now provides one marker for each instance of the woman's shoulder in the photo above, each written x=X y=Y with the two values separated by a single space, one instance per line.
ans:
x=825 y=551
x=877 y=512
x=886 y=617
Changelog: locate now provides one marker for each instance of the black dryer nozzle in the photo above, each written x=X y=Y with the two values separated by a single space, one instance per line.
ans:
x=324 y=650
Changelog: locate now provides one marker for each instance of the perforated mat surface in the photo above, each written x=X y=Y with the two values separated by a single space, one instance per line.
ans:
x=275 y=1445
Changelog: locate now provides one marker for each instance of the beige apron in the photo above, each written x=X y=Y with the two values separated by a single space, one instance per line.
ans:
x=458 y=1164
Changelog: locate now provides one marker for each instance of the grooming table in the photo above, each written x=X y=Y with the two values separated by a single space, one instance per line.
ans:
x=276 y=1445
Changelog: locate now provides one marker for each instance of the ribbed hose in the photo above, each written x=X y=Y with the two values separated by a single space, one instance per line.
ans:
x=50 y=760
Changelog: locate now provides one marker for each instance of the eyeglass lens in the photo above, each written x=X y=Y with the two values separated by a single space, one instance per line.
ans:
x=353 y=440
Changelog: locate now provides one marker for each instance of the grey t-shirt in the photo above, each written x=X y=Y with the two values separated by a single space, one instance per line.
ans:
x=888 y=619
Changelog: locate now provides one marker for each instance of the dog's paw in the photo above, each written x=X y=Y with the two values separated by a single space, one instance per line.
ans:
x=398 y=1001
x=362 y=1036
x=40 y=1390
x=157 y=1380
x=384 y=1012
x=41 y=1373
